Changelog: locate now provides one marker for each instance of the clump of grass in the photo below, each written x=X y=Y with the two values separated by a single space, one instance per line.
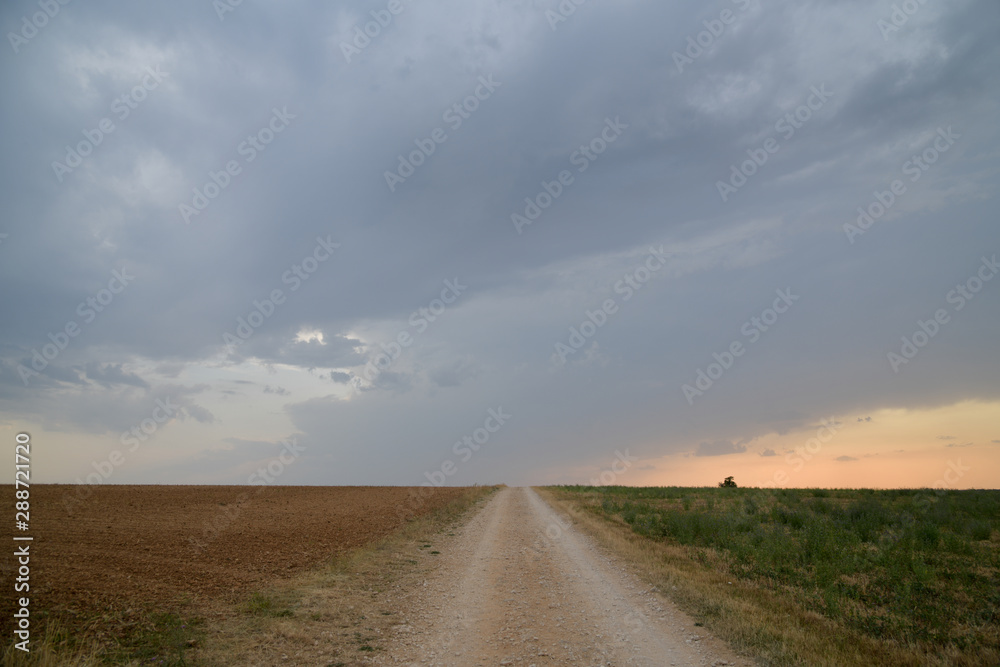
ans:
x=115 y=637
x=165 y=639
x=52 y=646
x=260 y=604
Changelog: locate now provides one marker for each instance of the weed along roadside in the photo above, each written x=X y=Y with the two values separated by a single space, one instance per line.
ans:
x=816 y=576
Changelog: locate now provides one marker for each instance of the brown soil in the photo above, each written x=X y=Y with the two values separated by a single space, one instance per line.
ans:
x=151 y=546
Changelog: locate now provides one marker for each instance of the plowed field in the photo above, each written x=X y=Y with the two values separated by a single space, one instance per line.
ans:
x=151 y=545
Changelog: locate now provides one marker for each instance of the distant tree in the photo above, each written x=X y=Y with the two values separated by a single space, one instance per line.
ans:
x=728 y=482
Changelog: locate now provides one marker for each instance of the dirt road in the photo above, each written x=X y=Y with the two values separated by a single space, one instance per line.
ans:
x=518 y=585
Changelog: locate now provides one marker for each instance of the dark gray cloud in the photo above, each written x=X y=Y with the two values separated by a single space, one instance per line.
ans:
x=360 y=268
x=845 y=457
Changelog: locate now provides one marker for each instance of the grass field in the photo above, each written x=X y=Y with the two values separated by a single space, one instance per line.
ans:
x=915 y=571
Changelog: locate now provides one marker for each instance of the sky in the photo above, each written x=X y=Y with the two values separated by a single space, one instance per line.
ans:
x=529 y=242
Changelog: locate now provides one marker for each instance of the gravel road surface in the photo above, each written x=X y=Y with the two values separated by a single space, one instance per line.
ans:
x=519 y=585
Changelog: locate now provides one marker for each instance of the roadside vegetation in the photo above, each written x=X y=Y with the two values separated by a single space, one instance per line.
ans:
x=821 y=576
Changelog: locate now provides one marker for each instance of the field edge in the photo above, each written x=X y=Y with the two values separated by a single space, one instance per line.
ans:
x=754 y=622
x=199 y=634
x=348 y=593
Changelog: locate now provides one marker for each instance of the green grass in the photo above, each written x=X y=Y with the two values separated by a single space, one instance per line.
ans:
x=116 y=637
x=261 y=605
x=160 y=639
x=917 y=568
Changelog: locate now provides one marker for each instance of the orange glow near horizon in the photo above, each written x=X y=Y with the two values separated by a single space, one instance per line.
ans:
x=957 y=447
